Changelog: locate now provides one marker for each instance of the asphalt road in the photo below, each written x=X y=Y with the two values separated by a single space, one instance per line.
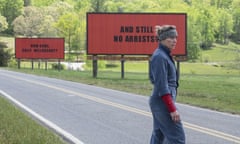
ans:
x=86 y=114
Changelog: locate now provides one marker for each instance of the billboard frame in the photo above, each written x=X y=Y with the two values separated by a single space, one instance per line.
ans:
x=161 y=14
x=34 y=48
x=178 y=57
x=44 y=47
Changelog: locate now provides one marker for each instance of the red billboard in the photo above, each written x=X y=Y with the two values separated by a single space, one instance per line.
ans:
x=39 y=48
x=131 y=33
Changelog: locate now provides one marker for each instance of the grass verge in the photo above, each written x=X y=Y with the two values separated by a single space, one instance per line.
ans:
x=18 y=128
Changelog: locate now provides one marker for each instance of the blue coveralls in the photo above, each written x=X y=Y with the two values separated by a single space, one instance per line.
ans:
x=164 y=78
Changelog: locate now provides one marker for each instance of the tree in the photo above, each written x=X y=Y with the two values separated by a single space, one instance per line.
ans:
x=62 y=8
x=193 y=35
x=82 y=5
x=113 y=6
x=42 y=3
x=27 y=3
x=81 y=38
x=225 y=26
x=67 y=26
x=226 y=4
x=206 y=21
x=98 y=5
x=47 y=29
x=3 y=23
x=4 y=54
x=236 y=21
x=29 y=24
x=56 y=10
x=11 y=9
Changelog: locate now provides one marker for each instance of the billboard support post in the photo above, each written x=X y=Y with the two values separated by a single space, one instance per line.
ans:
x=122 y=66
x=59 y=65
x=19 y=63
x=46 y=65
x=95 y=66
x=32 y=64
x=39 y=64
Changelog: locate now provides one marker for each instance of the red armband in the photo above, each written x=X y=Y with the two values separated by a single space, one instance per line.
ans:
x=167 y=99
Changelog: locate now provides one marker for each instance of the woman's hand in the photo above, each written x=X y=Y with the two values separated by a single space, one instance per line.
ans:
x=175 y=116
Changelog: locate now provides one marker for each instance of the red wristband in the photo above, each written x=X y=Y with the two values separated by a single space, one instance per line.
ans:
x=167 y=99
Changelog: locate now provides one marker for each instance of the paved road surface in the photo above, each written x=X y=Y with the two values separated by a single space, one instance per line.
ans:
x=93 y=115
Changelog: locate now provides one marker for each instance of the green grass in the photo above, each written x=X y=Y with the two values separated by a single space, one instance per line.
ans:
x=218 y=92
x=17 y=127
x=207 y=69
x=221 y=53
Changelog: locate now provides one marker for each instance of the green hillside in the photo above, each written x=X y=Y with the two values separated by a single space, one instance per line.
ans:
x=222 y=53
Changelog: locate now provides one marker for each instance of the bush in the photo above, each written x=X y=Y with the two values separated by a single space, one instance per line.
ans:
x=12 y=63
x=111 y=65
x=56 y=66
x=5 y=56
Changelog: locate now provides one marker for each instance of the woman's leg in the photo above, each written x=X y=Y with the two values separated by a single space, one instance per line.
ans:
x=157 y=136
x=164 y=127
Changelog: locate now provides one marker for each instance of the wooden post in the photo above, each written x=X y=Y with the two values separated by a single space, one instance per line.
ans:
x=95 y=66
x=122 y=66
x=19 y=63
x=59 y=65
x=39 y=64
x=32 y=64
x=46 y=65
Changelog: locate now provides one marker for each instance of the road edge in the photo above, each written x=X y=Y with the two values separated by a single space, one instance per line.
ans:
x=64 y=134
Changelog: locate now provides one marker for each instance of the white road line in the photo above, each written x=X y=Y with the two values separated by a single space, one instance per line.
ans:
x=50 y=124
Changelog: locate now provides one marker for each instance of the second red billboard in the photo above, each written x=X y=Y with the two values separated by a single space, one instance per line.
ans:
x=39 y=48
x=131 y=33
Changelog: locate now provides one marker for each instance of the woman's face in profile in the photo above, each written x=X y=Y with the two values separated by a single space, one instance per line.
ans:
x=170 y=42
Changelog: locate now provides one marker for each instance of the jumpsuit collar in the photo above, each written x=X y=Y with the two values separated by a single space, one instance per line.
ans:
x=168 y=52
x=165 y=49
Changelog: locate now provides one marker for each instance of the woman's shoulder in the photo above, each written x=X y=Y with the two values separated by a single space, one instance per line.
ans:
x=159 y=54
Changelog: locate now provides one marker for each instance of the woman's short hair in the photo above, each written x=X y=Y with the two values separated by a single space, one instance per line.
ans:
x=165 y=31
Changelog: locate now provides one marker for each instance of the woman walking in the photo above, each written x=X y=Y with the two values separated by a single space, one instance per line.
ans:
x=167 y=126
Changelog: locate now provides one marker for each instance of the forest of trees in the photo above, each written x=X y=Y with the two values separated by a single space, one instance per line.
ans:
x=208 y=21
